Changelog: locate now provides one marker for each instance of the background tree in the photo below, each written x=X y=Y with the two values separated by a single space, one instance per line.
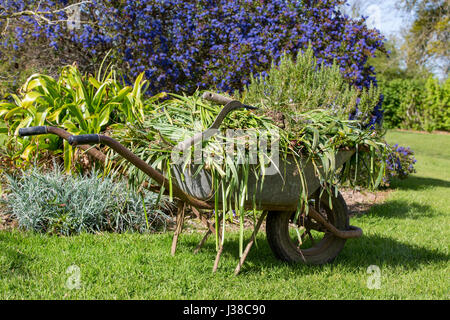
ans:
x=394 y=66
x=28 y=43
x=427 y=41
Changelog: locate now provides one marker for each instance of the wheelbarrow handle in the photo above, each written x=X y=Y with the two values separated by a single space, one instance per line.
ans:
x=73 y=140
x=217 y=98
x=32 y=131
x=229 y=106
x=84 y=139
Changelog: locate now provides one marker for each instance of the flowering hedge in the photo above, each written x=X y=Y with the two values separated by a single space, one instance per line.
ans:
x=183 y=45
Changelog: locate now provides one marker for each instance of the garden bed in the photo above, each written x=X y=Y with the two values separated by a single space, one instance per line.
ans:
x=360 y=202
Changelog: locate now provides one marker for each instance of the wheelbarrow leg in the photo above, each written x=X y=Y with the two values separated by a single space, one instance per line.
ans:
x=179 y=226
x=210 y=227
x=205 y=221
x=216 y=261
x=219 y=252
x=250 y=243
x=202 y=242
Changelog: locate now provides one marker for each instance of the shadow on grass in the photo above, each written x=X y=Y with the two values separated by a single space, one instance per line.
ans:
x=419 y=183
x=401 y=209
x=14 y=262
x=357 y=253
x=386 y=251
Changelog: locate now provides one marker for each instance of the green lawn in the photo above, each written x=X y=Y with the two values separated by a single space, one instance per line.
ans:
x=407 y=237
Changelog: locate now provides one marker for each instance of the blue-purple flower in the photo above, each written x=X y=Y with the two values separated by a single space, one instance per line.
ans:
x=187 y=44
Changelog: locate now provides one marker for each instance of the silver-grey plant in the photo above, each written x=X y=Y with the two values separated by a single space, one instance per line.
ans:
x=56 y=203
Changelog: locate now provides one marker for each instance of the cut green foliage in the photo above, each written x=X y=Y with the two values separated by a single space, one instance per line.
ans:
x=321 y=137
x=416 y=103
x=304 y=106
x=61 y=204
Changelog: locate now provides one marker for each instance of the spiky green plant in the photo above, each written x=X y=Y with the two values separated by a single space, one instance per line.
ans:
x=81 y=104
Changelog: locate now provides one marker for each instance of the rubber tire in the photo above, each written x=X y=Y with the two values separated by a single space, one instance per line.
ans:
x=325 y=251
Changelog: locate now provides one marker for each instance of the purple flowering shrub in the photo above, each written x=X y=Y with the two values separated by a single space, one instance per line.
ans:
x=399 y=163
x=185 y=45
x=391 y=162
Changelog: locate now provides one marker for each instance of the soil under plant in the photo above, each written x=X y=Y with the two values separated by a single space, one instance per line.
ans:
x=360 y=202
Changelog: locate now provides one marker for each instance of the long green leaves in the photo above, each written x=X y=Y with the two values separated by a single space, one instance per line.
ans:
x=180 y=117
x=81 y=104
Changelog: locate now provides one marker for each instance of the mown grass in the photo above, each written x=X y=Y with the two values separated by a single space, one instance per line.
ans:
x=407 y=237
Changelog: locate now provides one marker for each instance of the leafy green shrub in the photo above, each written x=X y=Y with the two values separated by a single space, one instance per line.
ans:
x=81 y=104
x=61 y=204
x=416 y=104
x=403 y=103
x=437 y=105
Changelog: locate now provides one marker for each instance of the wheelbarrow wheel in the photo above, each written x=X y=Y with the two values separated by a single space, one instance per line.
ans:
x=307 y=241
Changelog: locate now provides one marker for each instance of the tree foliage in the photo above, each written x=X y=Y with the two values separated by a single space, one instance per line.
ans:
x=427 y=41
x=393 y=65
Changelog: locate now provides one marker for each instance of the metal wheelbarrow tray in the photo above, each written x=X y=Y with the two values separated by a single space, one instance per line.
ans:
x=278 y=192
x=325 y=228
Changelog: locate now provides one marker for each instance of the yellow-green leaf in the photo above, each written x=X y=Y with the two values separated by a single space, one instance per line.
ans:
x=30 y=98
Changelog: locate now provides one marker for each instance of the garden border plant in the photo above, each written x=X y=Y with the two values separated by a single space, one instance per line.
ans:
x=56 y=203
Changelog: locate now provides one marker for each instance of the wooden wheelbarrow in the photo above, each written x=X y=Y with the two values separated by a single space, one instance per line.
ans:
x=314 y=238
